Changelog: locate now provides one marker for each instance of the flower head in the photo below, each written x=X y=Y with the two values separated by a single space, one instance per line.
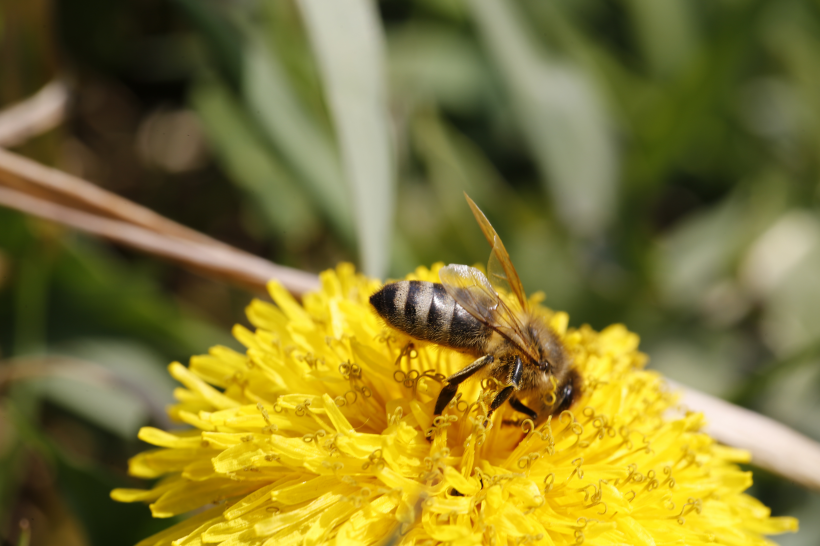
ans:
x=323 y=432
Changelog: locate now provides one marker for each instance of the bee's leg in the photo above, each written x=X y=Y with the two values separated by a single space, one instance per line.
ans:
x=500 y=398
x=450 y=389
x=520 y=407
x=506 y=392
x=517 y=371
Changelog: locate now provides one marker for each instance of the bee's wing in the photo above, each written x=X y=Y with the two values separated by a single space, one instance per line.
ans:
x=471 y=290
x=500 y=269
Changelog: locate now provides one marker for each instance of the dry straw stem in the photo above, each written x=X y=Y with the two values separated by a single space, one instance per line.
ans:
x=39 y=113
x=219 y=261
x=51 y=194
x=773 y=446
x=55 y=195
x=27 y=176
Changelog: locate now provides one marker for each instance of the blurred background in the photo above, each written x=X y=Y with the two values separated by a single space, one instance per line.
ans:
x=650 y=163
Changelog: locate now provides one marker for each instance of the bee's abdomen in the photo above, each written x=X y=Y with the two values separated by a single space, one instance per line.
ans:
x=425 y=311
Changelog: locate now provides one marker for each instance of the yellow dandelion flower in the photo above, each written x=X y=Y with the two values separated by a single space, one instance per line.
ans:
x=318 y=434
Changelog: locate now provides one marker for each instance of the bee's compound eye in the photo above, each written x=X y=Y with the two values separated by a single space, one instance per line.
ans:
x=565 y=397
x=567 y=392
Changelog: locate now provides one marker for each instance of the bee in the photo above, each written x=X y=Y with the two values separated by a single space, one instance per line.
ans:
x=465 y=312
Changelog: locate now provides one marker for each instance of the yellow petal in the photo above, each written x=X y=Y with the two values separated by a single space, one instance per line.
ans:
x=213 y=396
x=161 y=438
x=187 y=495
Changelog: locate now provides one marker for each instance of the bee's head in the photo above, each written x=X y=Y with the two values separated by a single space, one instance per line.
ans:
x=550 y=350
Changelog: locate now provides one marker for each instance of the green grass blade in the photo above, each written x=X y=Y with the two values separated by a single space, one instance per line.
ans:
x=288 y=127
x=347 y=40
x=665 y=32
x=433 y=64
x=251 y=165
x=561 y=118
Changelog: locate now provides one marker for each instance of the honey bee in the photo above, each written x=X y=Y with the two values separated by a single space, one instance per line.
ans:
x=465 y=312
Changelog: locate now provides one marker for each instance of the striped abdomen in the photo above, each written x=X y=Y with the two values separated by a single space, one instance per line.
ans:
x=425 y=311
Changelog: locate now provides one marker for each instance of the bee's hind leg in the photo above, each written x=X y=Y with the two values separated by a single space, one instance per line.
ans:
x=450 y=389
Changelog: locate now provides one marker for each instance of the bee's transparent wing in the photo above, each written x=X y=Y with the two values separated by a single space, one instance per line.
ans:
x=503 y=275
x=497 y=274
x=471 y=290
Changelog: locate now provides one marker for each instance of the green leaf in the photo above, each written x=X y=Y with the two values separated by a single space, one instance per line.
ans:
x=620 y=86
x=434 y=64
x=797 y=46
x=561 y=118
x=222 y=39
x=664 y=31
x=85 y=486
x=703 y=251
x=96 y=293
x=781 y=268
x=455 y=166
x=686 y=109
x=284 y=122
x=347 y=40
x=116 y=385
x=251 y=165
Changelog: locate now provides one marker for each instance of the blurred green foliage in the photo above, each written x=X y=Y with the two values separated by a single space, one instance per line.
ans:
x=651 y=163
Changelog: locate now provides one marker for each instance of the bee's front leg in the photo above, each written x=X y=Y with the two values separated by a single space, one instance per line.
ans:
x=449 y=390
x=519 y=406
x=506 y=392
